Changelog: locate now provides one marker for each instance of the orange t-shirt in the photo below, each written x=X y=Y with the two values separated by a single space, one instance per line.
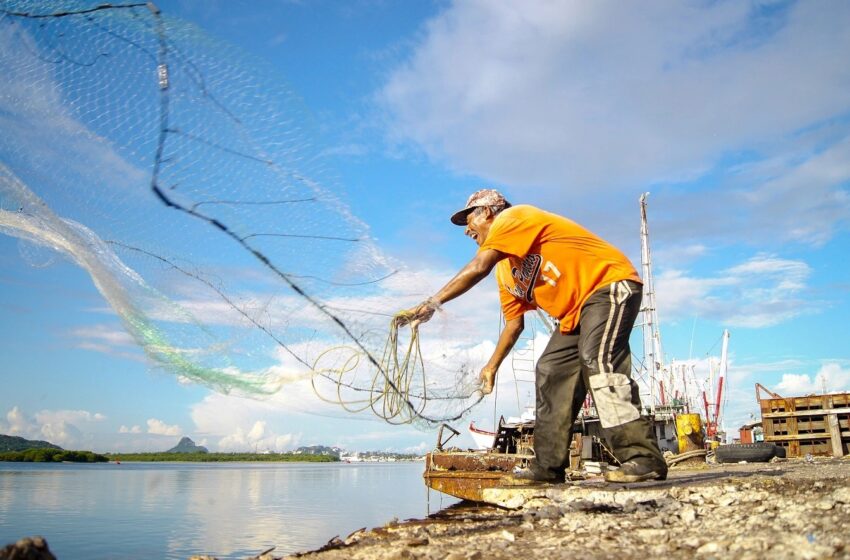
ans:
x=553 y=263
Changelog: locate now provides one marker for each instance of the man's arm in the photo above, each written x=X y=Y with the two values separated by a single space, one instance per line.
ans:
x=510 y=334
x=475 y=270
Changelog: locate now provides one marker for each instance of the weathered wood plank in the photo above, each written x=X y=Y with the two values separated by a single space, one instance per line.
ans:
x=835 y=432
x=798 y=437
x=798 y=413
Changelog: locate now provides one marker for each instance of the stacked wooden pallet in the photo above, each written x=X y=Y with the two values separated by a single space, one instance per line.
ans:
x=816 y=424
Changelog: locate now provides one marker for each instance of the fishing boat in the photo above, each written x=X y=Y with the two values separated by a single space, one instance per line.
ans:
x=483 y=439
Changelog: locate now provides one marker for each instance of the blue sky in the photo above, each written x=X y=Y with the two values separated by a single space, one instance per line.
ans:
x=735 y=116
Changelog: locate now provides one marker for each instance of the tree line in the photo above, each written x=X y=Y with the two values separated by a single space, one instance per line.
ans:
x=47 y=455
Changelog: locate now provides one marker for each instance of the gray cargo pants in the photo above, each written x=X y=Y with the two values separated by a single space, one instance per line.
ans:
x=594 y=356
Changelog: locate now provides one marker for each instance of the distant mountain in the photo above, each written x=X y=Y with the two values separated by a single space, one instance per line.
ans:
x=15 y=443
x=186 y=445
x=318 y=450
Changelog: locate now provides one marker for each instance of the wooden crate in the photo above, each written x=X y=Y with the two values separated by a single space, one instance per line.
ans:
x=816 y=424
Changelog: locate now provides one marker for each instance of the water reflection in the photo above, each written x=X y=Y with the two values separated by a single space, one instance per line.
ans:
x=176 y=510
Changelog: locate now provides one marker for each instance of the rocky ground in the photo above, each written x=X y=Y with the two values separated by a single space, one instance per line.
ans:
x=787 y=509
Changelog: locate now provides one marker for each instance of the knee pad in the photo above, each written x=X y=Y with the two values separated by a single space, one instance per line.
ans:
x=612 y=395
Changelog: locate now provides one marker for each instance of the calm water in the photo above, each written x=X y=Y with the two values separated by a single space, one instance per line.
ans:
x=154 y=510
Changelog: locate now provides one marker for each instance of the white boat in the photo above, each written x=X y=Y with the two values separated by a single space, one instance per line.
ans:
x=482 y=438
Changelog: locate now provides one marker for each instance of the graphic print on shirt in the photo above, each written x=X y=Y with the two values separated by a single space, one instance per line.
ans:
x=525 y=277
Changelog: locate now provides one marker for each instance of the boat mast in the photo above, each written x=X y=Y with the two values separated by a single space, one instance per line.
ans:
x=724 y=358
x=714 y=412
x=653 y=358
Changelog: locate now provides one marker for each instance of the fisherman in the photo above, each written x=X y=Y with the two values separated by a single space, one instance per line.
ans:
x=546 y=261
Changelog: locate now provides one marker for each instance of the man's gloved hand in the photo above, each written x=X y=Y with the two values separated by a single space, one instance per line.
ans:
x=419 y=314
x=488 y=379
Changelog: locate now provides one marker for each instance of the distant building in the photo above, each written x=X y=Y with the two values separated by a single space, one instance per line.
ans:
x=751 y=433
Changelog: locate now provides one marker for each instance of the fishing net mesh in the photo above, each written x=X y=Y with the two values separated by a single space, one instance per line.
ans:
x=183 y=177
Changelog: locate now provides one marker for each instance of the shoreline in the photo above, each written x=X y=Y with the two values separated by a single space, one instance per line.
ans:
x=784 y=509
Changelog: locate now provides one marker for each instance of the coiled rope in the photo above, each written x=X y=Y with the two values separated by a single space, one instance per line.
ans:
x=398 y=390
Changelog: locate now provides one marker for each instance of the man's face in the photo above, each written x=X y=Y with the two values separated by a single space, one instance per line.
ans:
x=478 y=224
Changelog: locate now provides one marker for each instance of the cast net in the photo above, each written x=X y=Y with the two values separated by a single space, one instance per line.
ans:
x=182 y=176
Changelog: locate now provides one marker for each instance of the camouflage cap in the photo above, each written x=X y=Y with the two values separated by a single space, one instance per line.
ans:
x=484 y=197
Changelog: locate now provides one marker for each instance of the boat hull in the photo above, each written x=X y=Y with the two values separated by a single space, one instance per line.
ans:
x=467 y=474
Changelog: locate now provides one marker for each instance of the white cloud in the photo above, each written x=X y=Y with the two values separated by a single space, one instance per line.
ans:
x=809 y=197
x=795 y=384
x=134 y=430
x=765 y=290
x=65 y=428
x=70 y=416
x=257 y=438
x=594 y=98
x=61 y=433
x=602 y=91
x=158 y=427
x=18 y=424
x=105 y=334
x=237 y=424
x=231 y=423
x=831 y=378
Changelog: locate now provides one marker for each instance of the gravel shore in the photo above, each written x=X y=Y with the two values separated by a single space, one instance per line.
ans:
x=785 y=509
